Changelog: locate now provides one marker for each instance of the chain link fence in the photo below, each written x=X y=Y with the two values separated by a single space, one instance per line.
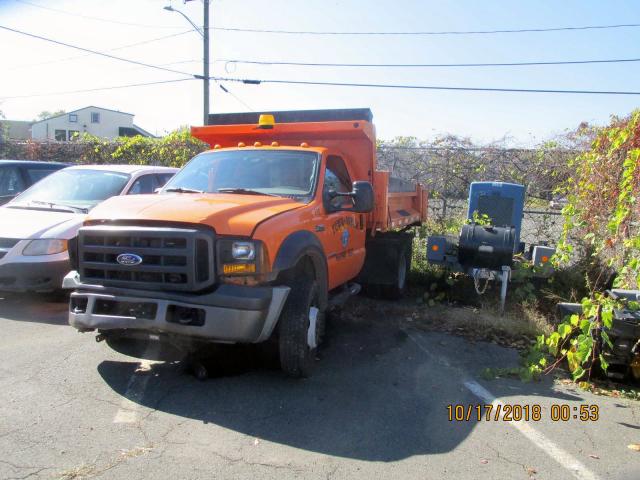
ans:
x=446 y=170
x=449 y=171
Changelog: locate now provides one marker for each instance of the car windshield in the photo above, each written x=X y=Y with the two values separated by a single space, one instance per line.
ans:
x=289 y=173
x=73 y=188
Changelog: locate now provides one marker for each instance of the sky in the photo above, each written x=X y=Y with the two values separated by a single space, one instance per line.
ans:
x=32 y=70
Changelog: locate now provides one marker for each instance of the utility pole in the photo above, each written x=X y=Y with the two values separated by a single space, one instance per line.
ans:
x=205 y=32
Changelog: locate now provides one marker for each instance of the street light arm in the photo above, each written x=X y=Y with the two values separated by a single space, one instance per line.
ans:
x=204 y=33
x=196 y=27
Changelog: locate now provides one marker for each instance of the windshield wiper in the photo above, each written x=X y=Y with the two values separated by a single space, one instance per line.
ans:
x=53 y=206
x=183 y=190
x=244 y=191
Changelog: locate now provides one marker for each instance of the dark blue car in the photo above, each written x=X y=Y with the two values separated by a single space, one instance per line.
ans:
x=18 y=175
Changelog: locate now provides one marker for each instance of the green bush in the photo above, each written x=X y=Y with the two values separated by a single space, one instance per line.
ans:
x=172 y=150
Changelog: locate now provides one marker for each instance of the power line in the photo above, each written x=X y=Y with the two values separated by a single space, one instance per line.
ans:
x=428 y=65
x=75 y=57
x=89 y=17
x=238 y=99
x=151 y=40
x=424 y=87
x=95 y=52
x=114 y=87
x=444 y=32
x=299 y=32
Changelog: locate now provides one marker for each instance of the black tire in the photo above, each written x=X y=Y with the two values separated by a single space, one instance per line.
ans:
x=399 y=288
x=297 y=357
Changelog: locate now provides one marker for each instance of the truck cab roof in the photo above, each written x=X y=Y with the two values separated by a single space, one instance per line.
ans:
x=347 y=131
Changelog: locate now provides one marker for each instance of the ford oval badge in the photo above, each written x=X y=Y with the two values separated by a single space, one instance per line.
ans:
x=129 y=259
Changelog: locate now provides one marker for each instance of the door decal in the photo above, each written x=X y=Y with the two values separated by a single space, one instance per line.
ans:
x=345 y=238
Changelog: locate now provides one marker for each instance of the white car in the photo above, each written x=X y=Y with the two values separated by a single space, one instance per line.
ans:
x=37 y=225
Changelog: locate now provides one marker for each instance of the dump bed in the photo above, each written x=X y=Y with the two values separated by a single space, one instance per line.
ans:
x=347 y=132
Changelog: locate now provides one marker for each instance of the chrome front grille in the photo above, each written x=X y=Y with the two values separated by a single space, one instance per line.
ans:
x=170 y=258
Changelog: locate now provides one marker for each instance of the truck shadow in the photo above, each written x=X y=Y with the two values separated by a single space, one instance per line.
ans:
x=40 y=308
x=375 y=396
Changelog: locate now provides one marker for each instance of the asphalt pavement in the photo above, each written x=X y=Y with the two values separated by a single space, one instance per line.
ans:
x=377 y=407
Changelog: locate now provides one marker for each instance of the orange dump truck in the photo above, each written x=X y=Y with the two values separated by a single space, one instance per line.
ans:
x=254 y=240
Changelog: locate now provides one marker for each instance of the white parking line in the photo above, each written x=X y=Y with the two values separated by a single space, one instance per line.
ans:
x=565 y=459
x=130 y=405
x=538 y=439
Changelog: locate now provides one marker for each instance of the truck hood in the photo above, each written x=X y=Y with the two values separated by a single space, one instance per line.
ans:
x=29 y=224
x=228 y=214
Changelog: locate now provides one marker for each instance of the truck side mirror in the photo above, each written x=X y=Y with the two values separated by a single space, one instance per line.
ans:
x=362 y=195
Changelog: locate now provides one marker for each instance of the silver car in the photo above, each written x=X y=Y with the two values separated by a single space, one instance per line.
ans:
x=36 y=226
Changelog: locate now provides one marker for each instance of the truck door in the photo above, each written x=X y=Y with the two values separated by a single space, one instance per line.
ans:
x=344 y=232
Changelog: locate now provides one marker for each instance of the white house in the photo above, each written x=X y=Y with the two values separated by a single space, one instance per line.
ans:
x=97 y=121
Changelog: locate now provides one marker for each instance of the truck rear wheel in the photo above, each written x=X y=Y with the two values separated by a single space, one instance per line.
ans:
x=387 y=265
x=299 y=328
x=398 y=289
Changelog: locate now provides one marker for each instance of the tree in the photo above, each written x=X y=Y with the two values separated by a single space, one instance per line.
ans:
x=47 y=114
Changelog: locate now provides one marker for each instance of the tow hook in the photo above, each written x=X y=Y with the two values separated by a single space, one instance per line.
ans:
x=100 y=337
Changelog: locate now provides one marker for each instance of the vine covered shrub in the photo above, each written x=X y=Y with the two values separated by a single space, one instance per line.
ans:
x=602 y=217
x=173 y=150
x=601 y=229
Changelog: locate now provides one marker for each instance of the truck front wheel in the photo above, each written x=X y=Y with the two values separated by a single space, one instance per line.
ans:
x=299 y=327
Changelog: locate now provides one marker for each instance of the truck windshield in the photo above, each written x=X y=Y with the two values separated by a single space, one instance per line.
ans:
x=280 y=172
x=81 y=188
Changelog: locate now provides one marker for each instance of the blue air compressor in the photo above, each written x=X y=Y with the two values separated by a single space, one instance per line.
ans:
x=485 y=249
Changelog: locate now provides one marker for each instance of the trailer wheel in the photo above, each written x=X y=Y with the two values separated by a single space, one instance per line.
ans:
x=398 y=289
x=299 y=328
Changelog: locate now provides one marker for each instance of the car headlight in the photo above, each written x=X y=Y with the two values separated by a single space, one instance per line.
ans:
x=48 y=246
x=238 y=257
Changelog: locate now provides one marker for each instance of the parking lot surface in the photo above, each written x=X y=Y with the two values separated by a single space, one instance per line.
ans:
x=376 y=408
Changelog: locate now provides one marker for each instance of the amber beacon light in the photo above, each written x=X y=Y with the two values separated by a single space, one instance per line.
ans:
x=266 y=121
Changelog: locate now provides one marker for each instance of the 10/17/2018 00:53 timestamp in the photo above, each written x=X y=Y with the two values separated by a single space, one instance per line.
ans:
x=516 y=412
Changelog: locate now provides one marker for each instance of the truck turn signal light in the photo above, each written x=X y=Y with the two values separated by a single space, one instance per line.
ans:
x=234 y=268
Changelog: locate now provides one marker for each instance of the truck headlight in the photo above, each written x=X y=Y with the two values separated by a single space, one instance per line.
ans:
x=243 y=250
x=47 y=246
x=239 y=257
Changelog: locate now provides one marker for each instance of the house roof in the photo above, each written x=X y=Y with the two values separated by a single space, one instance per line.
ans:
x=83 y=108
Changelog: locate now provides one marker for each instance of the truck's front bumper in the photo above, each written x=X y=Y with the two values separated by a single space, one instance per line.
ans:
x=232 y=313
